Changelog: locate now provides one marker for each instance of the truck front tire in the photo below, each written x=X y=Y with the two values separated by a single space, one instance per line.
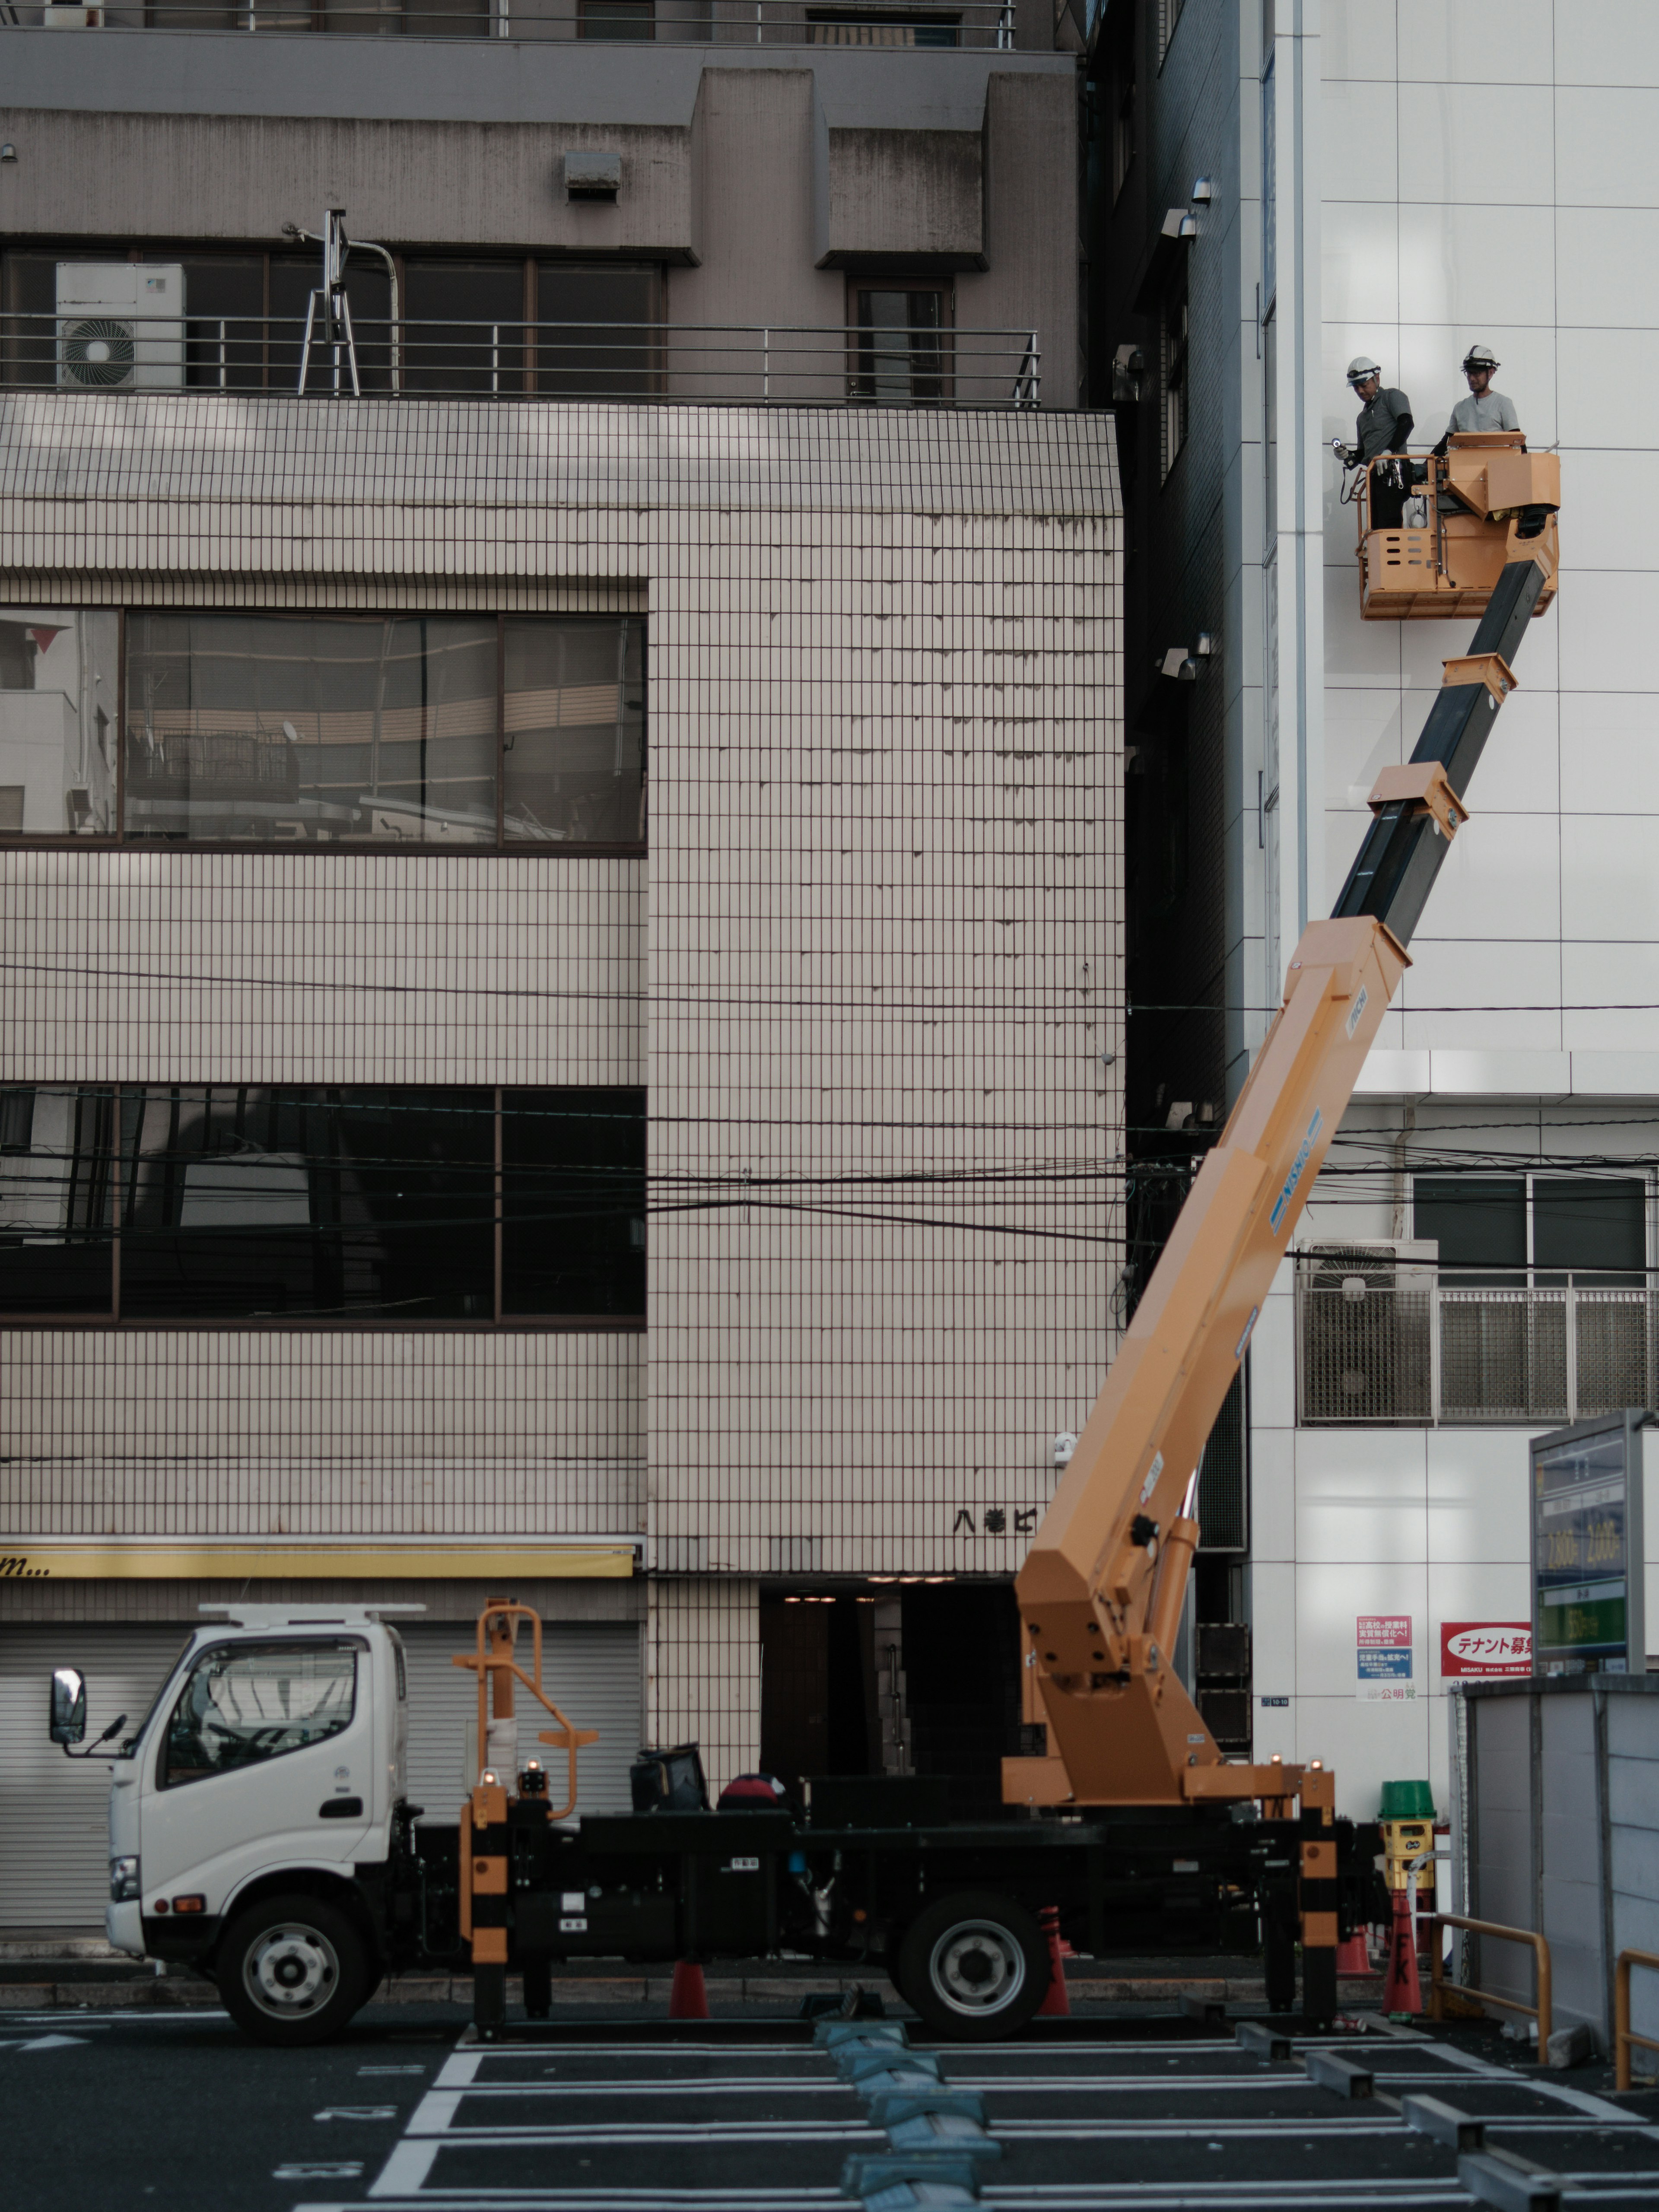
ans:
x=293 y=1970
x=973 y=1965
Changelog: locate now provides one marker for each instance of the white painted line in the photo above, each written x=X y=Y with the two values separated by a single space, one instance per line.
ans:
x=590 y=2200
x=391 y=2070
x=140 y=2016
x=732 y=2132
x=357 y=2112
x=406 y=2171
x=458 y=2069
x=1224 y=2194
x=1013 y=2085
x=747 y=2086
x=528 y=2053
x=436 y=2113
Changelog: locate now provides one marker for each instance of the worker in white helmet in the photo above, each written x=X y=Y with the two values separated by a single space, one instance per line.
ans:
x=1484 y=409
x=1383 y=428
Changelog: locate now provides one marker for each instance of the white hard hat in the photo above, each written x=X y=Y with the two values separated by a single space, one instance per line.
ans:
x=1479 y=357
x=1361 y=367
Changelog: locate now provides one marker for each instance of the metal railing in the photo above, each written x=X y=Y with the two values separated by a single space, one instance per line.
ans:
x=1410 y=1345
x=892 y=24
x=1438 y=1984
x=98 y=350
x=1623 y=2034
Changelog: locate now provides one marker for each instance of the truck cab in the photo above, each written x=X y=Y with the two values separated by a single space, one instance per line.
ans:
x=268 y=1773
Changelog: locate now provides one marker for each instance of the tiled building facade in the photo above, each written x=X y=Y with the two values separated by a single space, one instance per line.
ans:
x=862 y=971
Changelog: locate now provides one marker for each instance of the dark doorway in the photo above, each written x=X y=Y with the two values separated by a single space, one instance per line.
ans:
x=817 y=1686
x=962 y=1686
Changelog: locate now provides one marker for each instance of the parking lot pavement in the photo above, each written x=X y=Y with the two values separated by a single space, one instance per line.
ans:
x=409 y=2113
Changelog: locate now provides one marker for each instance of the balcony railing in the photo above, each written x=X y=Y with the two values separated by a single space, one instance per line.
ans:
x=1411 y=1344
x=965 y=23
x=92 y=350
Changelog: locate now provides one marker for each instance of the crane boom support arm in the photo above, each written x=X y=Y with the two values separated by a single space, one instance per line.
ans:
x=1103 y=1580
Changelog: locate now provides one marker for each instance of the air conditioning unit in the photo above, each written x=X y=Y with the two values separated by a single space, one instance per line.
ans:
x=1365 y=1316
x=121 y=326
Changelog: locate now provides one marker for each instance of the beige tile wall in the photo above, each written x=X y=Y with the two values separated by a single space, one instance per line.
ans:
x=881 y=941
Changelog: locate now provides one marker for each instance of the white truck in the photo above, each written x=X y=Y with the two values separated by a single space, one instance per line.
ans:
x=260 y=1833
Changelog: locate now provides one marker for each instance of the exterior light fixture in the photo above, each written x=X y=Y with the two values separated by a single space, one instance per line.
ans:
x=1203 y=192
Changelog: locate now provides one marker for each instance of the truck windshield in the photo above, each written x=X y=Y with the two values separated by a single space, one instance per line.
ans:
x=130 y=1743
x=243 y=1704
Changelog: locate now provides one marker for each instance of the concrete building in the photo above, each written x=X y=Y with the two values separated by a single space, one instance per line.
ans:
x=563 y=1011
x=1402 y=180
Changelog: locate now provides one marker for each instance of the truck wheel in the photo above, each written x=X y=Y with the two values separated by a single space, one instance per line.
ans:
x=293 y=1970
x=973 y=1965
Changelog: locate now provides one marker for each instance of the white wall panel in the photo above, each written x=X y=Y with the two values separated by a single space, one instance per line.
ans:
x=1606 y=142
x=1600 y=42
x=1458 y=144
x=1443 y=39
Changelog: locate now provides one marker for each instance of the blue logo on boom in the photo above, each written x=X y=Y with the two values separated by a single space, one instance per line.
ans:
x=1297 y=1166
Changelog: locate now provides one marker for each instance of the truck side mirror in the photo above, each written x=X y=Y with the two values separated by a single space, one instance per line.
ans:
x=69 y=1705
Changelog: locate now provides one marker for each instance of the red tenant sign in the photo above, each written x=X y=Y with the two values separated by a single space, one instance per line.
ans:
x=1485 y=1647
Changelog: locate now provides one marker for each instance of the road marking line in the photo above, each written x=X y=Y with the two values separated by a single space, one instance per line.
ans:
x=733 y=2132
x=391 y=2070
x=404 y=2173
x=745 y=2086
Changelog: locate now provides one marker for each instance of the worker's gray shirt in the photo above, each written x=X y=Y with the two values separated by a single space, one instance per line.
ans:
x=1491 y=411
x=1377 y=430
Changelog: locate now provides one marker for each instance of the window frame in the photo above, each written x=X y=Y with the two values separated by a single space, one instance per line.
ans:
x=502 y=1322
x=1534 y=1275
x=942 y=284
x=358 y=1647
x=118 y=839
x=1174 y=383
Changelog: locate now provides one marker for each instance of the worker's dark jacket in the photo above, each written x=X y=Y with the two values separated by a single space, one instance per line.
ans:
x=1384 y=426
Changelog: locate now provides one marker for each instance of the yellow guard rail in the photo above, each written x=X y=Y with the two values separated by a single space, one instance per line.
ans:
x=1540 y=2012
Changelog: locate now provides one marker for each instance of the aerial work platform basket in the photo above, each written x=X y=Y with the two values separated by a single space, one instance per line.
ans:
x=1485 y=502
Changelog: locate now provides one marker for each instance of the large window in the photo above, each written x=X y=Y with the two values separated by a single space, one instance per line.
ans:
x=475 y=730
x=1492 y=1231
x=321 y=1206
x=60 y=688
x=497 y=326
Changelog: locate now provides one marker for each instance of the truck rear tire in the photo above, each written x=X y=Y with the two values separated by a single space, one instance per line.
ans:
x=293 y=1970
x=973 y=1965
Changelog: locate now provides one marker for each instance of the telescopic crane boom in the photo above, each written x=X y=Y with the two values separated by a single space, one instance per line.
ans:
x=1102 y=1589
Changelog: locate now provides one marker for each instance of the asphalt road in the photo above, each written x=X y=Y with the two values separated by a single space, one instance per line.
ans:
x=408 y=2115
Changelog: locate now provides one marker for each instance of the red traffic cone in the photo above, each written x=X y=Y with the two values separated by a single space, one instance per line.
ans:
x=1354 y=1957
x=1401 y=1989
x=688 y=1998
x=1057 y=2004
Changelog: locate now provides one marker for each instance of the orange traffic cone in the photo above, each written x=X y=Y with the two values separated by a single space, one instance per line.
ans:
x=1354 y=1957
x=1057 y=2002
x=688 y=1998
x=1401 y=1989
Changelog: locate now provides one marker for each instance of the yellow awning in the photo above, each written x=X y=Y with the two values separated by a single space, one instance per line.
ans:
x=140 y=1561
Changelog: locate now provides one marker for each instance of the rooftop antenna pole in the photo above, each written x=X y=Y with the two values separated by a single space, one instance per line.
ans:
x=330 y=297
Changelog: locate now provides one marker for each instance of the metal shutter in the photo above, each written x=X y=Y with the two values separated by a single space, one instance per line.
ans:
x=590 y=1669
x=54 y=1812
